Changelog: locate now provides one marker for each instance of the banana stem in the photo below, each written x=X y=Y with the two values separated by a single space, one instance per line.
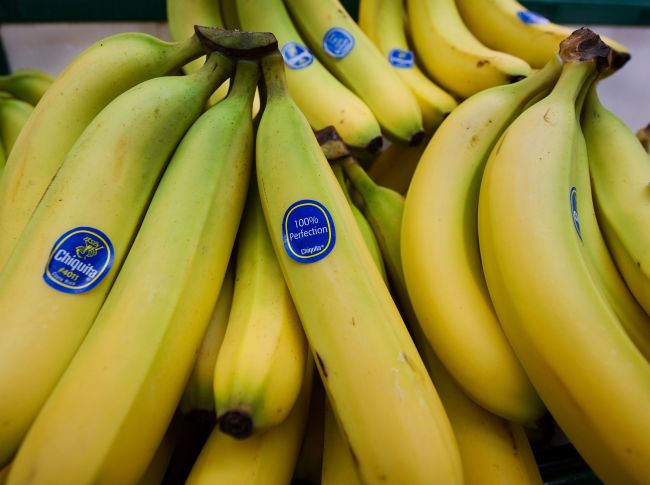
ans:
x=247 y=74
x=358 y=176
x=217 y=68
x=275 y=81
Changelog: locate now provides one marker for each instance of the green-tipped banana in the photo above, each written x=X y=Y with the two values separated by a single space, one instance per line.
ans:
x=265 y=458
x=373 y=375
x=14 y=113
x=342 y=46
x=27 y=84
x=259 y=369
x=452 y=55
x=199 y=391
x=120 y=391
x=620 y=176
x=93 y=79
x=383 y=21
x=321 y=97
x=440 y=250
x=66 y=259
x=586 y=369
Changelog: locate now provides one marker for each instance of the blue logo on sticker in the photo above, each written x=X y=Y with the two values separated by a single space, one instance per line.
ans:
x=308 y=231
x=338 y=42
x=573 y=200
x=296 y=56
x=530 y=18
x=401 y=58
x=79 y=260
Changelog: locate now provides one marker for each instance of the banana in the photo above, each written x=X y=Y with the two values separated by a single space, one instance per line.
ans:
x=373 y=375
x=491 y=449
x=229 y=14
x=440 y=250
x=334 y=104
x=265 y=458
x=620 y=176
x=14 y=113
x=95 y=77
x=157 y=467
x=199 y=391
x=644 y=137
x=395 y=166
x=257 y=376
x=452 y=55
x=507 y=26
x=383 y=23
x=349 y=54
x=3 y=157
x=564 y=332
x=339 y=466
x=70 y=251
x=28 y=84
x=632 y=316
x=143 y=341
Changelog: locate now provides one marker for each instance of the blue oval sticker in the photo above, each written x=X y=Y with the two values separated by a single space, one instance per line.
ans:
x=401 y=58
x=530 y=18
x=308 y=231
x=296 y=56
x=573 y=201
x=338 y=42
x=79 y=260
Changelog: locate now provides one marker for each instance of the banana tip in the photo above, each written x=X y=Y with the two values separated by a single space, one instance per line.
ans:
x=237 y=424
x=375 y=145
x=416 y=139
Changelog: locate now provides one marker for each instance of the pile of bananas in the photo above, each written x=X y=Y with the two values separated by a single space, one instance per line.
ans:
x=202 y=281
x=19 y=93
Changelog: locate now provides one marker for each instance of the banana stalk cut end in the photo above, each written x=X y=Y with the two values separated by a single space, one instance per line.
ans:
x=334 y=148
x=238 y=424
x=235 y=43
x=584 y=45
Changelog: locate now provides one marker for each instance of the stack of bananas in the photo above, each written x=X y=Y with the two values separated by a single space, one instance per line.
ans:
x=201 y=282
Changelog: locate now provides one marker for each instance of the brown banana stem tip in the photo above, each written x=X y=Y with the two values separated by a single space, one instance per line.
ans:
x=330 y=142
x=585 y=45
x=235 y=43
x=237 y=424
x=644 y=137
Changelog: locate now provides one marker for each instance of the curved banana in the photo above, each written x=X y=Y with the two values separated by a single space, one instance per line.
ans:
x=258 y=373
x=507 y=26
x=620 y=174
x=320 y=96
x=135 y=361
x=371 y=370
x=67 y=257
x=383 y=23
x=567 y=337
x=94 y=78
x=440 y=250
x=199 y=390
x=14 y=113
x=265 y=458
x=338 y=462
x=229 y=14
x=452 y=55
x=395 y=166
x=28 y=84
x=351 y=56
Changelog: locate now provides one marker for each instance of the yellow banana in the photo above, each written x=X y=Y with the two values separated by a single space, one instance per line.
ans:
x=27 y=84
x=199 y=391
x=265 y=458
x=373 y=375
x=394 y=167
x=73 y=246
x=157 y=467
x=452 y=55
x=334 y=104
x=507 y=26
x=440 y=251
x=13 y=116
x=564 y=332
x=620 y=176
x=3 y=157
x=121 y=389
x=383 y=23
x=347 y=52
x=95 y=77
x=258 y=373
x=339 y=466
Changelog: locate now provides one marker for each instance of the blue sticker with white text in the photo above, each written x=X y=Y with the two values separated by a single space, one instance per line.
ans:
x=338 y=42
x=308 y=231
x=296 y=56
x=401 y=58
x=79 y=260
x=530 y=18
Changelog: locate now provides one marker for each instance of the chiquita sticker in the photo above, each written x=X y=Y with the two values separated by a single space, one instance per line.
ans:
x=308 y=231
x=531 y=18
x=79 y=260
x=573 y=201
x=338 y=42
